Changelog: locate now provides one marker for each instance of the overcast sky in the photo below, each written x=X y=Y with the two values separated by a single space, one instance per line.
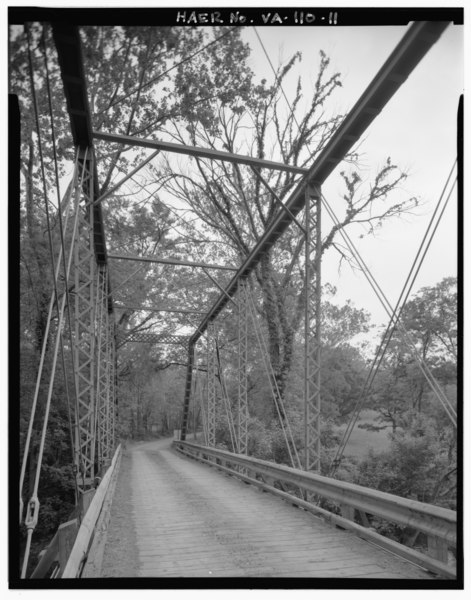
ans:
x=417 y=129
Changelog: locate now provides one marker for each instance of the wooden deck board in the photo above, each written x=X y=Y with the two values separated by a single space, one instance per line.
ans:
x=191 y=521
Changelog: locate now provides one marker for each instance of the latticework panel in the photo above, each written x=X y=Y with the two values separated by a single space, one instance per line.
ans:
x=105 y=446
x=211 y=384
x=84 y=339
x=112 y=381
x=153 y=338
x=312 y=391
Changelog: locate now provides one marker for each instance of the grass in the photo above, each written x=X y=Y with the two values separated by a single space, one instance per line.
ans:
x=362 y=440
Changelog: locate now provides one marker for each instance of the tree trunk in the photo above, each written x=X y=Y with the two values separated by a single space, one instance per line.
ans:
x=280 y=334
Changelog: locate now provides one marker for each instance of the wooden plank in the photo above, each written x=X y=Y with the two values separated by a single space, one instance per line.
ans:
x=191 y=522
x=437 y=548
x=430 y=519
x=348 y=512
x=417 y=558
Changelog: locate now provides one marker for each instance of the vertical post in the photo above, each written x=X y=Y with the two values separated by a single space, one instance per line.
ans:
x=104 y=382
x=243 y=412
x=211 y=338
x=312 y=341
x=188 y=386
x=100 y=336
x=84 y=339
x=112 y=382
x=199 y=401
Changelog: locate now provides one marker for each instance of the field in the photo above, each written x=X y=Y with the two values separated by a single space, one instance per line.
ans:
x=362 y=440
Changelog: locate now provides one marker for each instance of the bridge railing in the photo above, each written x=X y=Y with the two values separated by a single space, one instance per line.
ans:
x=305 y=489
x=67 y=552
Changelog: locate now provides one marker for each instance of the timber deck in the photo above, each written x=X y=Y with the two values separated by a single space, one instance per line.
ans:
x=180 y=518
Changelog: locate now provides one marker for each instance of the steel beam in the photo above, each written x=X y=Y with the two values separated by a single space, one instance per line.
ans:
x=69 y=51
x=127 y=177
x=128 y=140
x=170 y=261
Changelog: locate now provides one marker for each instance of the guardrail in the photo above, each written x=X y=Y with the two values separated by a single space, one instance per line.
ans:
x=438 y=524
x=78 y=553
x=64 y=556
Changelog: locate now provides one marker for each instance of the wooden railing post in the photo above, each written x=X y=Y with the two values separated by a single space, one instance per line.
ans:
x=348 y=512
x=437 y=548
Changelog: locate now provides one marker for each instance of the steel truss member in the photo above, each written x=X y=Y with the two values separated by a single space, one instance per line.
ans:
x=112 y=381
x=211 y=388
x=104 y=371
x=84 y=340
x=243 y=412
x=312 y=346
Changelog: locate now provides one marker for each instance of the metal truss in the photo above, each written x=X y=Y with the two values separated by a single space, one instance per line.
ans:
x=243 y=412
x=84 y=339
x=211 y=387
x=153 y=338
x=312 y=346
x=419 y=38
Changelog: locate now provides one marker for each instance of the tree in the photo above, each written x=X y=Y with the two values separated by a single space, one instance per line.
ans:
x=112 y=57
x=234 y=207
x=115 y=99
x=421 y=462
x=430 y=318
x=416 y=466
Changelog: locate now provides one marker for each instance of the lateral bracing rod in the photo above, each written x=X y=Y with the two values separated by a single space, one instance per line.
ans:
x=128 y=140
x=155 y=309
x=128 y=176
x=278 y=199
x=219 y=286
x=170 y=261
